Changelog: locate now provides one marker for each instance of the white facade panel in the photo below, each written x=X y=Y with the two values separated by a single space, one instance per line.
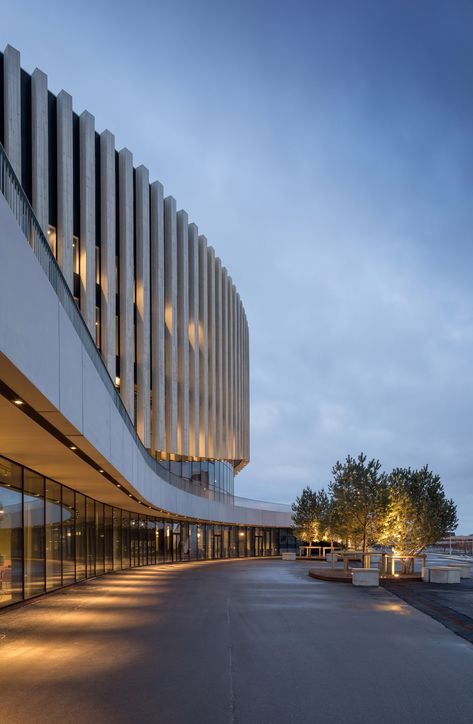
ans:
x=65 y=199
x=142 y=284
x=39 y=148
x=157 y=319
x=108 y=253
x=126 y=285
x=87 y=221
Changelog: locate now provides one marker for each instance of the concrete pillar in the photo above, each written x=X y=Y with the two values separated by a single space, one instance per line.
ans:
x=194 y=373
x=12 y=107
x=143 y=349
x=235 y=372
x=203 y=350
x=238 y=378
x=219 y=358
x=225 y=365
x=247 y=392
x=183 y=332
x=65 y=202
x=87 y=219
x=158 y=429
x=108 y=254
x=212 y=352
x=126 y=284
x=231 y=369
x=170 y=316
x=39 y=148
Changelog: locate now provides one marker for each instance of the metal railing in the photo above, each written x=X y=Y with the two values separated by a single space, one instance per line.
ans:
x=18 y=202
x=262 y=505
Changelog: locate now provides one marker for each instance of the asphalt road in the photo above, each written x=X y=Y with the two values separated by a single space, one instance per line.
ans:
x=256 y=642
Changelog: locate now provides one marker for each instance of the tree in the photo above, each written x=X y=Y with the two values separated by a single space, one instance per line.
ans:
x=418 y=513
x=359 y=492
x=308 y=514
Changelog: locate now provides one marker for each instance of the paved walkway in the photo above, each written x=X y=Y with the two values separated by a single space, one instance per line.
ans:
x=256 y=642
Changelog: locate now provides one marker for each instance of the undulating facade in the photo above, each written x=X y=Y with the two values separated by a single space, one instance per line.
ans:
x=124 y=362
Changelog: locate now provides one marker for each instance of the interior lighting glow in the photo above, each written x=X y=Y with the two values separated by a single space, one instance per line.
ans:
x=73 y=447
x=18 y=402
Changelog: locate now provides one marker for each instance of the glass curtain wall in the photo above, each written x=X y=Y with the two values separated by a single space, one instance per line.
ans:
x=52 y=536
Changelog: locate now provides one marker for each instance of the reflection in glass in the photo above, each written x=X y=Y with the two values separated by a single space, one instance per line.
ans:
x=108 y=541
x=117 y=539
x=68 y=537
x=80 y=536
x=33 y=521
x=53 y=535
x=11 y=548
x=90 y=536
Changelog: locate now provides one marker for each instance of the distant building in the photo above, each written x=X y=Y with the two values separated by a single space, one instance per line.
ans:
x=124 y=362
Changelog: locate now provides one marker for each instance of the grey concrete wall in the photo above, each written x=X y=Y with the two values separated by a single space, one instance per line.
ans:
x=87 y=220
x=126 y=276
x=143 y=316
x=157 y=319
x=108 y=263
x=39 y=148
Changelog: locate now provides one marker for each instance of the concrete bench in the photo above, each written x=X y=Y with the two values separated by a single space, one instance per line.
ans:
x=365 y=577
x=444 y=574
x=288 y=556
x=464 y=568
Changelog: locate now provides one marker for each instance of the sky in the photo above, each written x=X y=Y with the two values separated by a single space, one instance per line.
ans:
x=326 y=151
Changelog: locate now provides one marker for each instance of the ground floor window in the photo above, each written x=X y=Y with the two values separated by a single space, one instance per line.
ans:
x=52 y=536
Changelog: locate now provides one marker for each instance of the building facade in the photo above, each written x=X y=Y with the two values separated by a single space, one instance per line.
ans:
x=124 y=361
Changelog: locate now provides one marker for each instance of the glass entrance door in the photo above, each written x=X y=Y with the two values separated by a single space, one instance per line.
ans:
x=258 y=545
x=217 y=545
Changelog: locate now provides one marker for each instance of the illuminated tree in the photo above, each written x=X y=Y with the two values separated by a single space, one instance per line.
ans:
x=359 y=494
x=309 y=514
x=418 y=513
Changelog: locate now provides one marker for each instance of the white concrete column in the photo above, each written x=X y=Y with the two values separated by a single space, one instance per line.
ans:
x=12 y=107
x=170 y=316
x=247 y=392
x=203 y=350
x=65 y=201
x=235 y=373
x=39 y=148
x=126 y=276
x=108 y=255
x=225 y=367
x=238 y=378
x=87 y=219
x=158 y=441
x=143 y=349
x=219 y=358
x=212 y=353
x=183 y=332
x=231 y=369
x=194 y=388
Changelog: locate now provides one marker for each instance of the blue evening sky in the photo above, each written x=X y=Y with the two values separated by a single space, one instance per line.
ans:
x=326 y=151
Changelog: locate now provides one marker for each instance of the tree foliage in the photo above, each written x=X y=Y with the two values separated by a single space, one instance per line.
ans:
x=418 y=513
x=310 y=514
x=359 y=492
